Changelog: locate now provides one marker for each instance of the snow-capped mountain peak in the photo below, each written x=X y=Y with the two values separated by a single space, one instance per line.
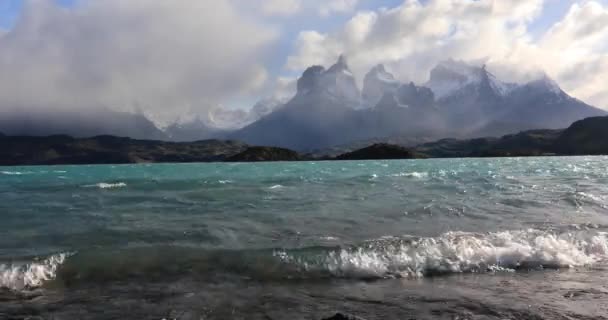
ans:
x=449 y=76
x=337 y=82
x=376 y=83
x=544 y=82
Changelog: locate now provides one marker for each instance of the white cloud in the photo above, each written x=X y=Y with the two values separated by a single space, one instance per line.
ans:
x=163 y=56
x=284 y=88
x=281 y=7
x=329 y=7
x=413 y=37
x=324 y=8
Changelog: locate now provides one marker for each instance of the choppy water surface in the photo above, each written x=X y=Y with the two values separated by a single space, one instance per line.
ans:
x=521 y=238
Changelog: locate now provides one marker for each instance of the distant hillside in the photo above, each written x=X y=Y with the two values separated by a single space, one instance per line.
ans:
x=585 y=137
x=256 y=154
x=588 y=136
x=22 y=150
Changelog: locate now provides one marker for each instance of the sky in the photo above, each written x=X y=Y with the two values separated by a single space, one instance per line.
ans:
x=167 y=58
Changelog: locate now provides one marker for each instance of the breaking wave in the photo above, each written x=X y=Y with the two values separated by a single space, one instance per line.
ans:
x=30 y=275
x=387 y=257
x=459 y=252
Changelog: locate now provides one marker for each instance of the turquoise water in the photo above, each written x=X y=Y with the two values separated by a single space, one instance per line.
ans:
x=129 y=230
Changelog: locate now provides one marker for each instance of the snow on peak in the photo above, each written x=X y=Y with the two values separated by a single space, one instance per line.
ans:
x=376 y=83
x=341 y=64
x=449 y=76
x=337 y=81
x=546 y=83
x=380 y=73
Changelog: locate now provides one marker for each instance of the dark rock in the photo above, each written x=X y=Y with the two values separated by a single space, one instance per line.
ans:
x=340 y=316
x=380 y=151
x=257 y=154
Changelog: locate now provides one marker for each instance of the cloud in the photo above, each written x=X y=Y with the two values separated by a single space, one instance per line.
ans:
x=324 y=8
x=329 y=7
x=281 y=7
x=159 y=56
x=284 y=88
x=411 y=38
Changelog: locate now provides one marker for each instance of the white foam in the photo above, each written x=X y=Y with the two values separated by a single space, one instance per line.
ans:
x=15 y=173
x=459 y=252
x=277 y=186
x=32 y=274
x=417 y=175
x=104 y=185
x=224 y=181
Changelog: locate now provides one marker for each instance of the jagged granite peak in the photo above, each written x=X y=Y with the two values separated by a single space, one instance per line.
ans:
x=265 y=106
x=415 y=96
x=389 y=100
x=545 y=83
x=459 y=100
x=341 y=65
x=310 y=79
x=377 y=82
x=337 y=82
x=450 y=76
x=340 y=82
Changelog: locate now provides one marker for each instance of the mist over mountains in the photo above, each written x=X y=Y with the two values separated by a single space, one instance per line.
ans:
x=459 y=100
x=329 y=109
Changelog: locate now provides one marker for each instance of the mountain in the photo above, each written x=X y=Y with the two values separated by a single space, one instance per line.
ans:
x=376 y=83
x=322 y=113
x=85 y=124
x=543 y=104
x=192 y=130
x=469 y=97
x=459 y=100
x=328 y=110
x=473 y=99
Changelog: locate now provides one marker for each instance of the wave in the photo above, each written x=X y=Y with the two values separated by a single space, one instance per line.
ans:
x=15 y=173
x=459 y=252
x=32 y=274
x=417 y=175
x=104 y=185
x=387 y=257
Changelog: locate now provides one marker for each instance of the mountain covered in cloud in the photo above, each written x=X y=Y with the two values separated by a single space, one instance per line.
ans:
x=329 y=109
x=219 y=122
x=459 y=100
x=101 y=121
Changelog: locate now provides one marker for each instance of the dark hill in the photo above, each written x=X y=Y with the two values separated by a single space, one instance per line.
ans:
x=62 y=149
x=380 y=151
x=257 y=154
x=584 y=137
x=587 y=136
